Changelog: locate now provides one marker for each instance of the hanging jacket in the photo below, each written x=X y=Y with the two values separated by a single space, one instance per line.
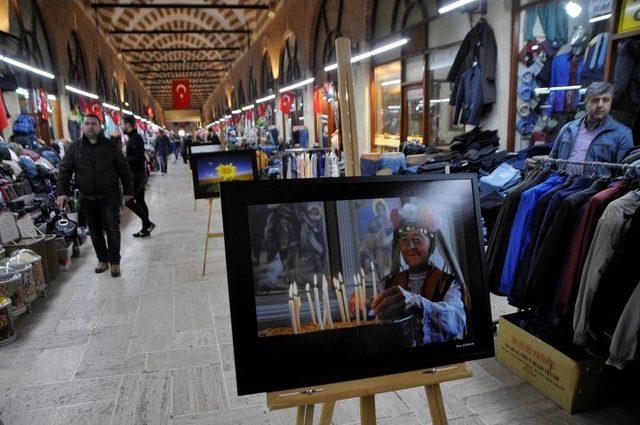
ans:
x=626 y=76
x=554 y=20
x=469 y=99
x=560 y=76
x=479 y=45
x=594 y=59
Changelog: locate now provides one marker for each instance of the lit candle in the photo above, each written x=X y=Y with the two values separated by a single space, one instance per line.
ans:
x=297 y=304
x=345 y=301
x=311 y=309
x=363 y=298
x=356 y=299
x=327 y=302
x=374 y=279
x=316 y=299
x=336 y=287
x=292 y=312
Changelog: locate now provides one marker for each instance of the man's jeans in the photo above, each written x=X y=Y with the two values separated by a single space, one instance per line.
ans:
x=162 y=161
x=103 y=215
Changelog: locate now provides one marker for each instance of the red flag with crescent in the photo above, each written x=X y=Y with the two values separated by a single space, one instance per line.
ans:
x=181 y=94
x=115 y=116
x=44 y=105
x=286 y=100
x=96 y=109
x=262 y=108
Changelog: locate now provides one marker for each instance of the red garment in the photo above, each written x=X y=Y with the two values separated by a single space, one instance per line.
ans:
x=262 y=108
x=579 y=246
x=4 y=120
x=318 y=99
x=44 y=105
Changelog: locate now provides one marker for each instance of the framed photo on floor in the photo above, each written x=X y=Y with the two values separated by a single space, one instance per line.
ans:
x=209 y=169
x=352 y=278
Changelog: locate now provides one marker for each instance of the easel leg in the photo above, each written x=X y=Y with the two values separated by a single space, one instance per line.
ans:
x=308 y=417
x=206 y=242
x=300 y=415
x=436 y=405
x=326 y=415
x=368 y=410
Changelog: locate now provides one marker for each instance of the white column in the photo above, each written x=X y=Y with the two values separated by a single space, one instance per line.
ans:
x=309 y=115
x=13 y=109
x=65 y=110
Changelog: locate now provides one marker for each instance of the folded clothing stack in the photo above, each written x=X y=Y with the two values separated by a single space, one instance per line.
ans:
x=475 y=144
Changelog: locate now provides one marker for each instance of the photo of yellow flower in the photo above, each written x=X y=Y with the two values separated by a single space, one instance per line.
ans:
x=227 y=172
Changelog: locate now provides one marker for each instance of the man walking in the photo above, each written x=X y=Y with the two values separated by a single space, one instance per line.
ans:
x=138 y=166
x=162 y=150
x=99 y=168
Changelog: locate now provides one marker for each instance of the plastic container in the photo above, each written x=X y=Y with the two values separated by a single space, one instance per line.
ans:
x=26 y=272
x=29 y=256
x=7 y=329
x=11 y=287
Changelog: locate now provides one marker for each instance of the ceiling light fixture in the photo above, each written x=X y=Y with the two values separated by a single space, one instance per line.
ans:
x=236 y=111
x=297 y=85
x=376 y=51
x=108 y=105
x=600 y=18
x=266 y=98
x=27 y=67
x=126 y=111
x=81 y=92
x=573 y=9
x=451 y=6
x=248 y=107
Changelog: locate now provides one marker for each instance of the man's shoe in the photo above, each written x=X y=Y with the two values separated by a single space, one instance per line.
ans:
x=115 y=270
x=144 y=233
x=150 y=227
x=101 y=267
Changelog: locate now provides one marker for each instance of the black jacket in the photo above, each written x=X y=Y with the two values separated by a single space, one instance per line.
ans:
x=479 y=45
x=98 y=169
x=135 y=153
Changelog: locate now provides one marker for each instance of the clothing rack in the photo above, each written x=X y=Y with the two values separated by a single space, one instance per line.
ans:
x=544 y=161
x=302 y=150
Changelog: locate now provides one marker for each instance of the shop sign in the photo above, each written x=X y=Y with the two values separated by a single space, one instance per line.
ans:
x=599 y=8
x=630 y=16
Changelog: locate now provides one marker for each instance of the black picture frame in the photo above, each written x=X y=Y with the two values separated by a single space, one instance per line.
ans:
x=283 y=362
x=199 y=191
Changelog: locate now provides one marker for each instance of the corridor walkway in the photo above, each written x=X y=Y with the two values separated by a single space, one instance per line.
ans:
x=154 y=346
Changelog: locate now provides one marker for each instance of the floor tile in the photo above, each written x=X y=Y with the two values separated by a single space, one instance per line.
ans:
x=144 y=398
x=197 y=390
x=99 y=413
x=176 y=359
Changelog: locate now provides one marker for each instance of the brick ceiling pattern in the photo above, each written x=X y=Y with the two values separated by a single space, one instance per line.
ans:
x=156 y=66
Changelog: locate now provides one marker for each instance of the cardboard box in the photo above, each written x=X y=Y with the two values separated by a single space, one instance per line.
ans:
x=570 y=381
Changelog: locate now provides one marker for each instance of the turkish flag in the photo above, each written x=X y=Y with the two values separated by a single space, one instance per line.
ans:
x=286 y=100
x=249 y=114
x=115 y=116
x=181 y=94
x=95 y=108
x=262 y=108
x=4 y=121
x=44 y=105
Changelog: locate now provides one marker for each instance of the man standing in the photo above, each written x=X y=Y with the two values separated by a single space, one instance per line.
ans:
x=138 y=166
x=99 y=168
x=162 y=150
x=596 y=136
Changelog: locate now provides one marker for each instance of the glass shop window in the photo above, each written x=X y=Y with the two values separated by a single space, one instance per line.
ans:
x=562 y=49
x=441 y=114
x=388 y=105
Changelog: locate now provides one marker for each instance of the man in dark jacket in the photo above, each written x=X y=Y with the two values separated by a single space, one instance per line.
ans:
x=138 y=165
x=163 y=146
x=99 y=168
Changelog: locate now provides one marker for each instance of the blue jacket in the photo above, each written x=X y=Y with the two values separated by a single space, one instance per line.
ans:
x=469 y=99
x=560 y=70
x=554 y=20
x=611 y=143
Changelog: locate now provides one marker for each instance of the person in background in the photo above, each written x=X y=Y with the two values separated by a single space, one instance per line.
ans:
x=596 y=136
x=174 y=147
x=99 y=168
x=138 y=165
x=213 y=137
x=186 y=142
x=163 y=148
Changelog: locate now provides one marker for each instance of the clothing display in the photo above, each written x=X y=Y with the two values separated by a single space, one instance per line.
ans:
x=309 y=164
x=554 y=21
x=473 y=73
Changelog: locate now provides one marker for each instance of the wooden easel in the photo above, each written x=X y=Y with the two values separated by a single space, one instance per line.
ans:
x=305 y=399
x=209 y=236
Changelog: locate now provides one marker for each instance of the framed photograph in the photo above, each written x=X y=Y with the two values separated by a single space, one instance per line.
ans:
x=209 y=169
x=353 y=277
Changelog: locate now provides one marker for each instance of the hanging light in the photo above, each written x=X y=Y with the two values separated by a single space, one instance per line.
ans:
x=600 y=18
x=266 y=98
x=109 y=106
x=27 y=67
x=81 y=92
x=248 y=107
x=236 y=111
x=455 y=5
x=297 y=85
x=126 y=111
x=374 y=52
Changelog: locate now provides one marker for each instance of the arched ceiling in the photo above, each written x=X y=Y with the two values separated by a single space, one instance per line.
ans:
x=163 y=40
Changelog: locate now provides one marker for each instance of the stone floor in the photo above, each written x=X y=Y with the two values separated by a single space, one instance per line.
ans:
x=154 y=346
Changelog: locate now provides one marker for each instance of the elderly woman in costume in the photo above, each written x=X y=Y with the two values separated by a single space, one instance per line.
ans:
x=432 y=296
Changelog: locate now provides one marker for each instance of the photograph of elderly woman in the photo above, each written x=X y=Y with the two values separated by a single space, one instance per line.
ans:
x=322 y=266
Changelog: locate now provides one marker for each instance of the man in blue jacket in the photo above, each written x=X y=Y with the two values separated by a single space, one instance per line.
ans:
x=596 y=136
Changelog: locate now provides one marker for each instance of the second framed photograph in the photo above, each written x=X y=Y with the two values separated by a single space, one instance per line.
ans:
x=209 y=169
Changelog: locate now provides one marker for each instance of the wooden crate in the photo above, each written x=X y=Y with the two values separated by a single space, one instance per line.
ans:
x=570 y=380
